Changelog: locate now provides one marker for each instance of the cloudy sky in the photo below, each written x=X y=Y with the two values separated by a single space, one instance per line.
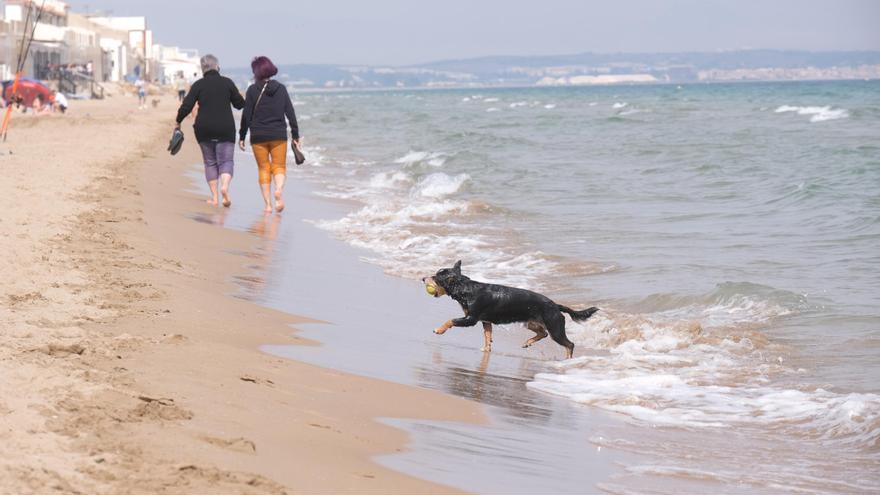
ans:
x=399 y=32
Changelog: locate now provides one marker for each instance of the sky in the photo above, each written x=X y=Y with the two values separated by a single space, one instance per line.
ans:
x=403 y=32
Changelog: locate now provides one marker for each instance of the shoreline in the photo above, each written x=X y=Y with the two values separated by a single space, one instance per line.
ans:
x=153 y=382
x=382 y=328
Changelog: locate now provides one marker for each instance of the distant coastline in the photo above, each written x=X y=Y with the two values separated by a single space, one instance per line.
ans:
x=587 y=69
x=486 y=87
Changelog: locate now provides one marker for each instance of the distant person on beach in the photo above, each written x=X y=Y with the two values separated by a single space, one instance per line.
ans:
x=267 y=103
x=214 y=125
x=180 y=85
x=141 y=87
x=61 y=102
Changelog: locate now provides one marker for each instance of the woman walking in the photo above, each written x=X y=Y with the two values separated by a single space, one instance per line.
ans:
x=267 y=103
x=215 y=125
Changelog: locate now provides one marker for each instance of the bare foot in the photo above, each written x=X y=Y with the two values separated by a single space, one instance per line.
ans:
x=226 y=200
x=279 y=203
x=212 y=202
x=268 y=208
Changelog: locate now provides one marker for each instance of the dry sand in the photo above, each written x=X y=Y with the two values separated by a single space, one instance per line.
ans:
x=125 y=369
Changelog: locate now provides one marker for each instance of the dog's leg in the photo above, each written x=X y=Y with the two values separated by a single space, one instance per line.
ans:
x=539 y=330
x=467 y=321
x=487 y=337
x=555 y=323
x=443 y=328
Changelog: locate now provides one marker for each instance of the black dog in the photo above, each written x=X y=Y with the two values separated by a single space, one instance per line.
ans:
x=499 y=304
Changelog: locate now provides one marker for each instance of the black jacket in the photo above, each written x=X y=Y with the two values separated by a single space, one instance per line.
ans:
x=214 y=93
x=266 y=121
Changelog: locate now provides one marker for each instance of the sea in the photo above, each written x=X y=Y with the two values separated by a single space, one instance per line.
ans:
x=729 y=233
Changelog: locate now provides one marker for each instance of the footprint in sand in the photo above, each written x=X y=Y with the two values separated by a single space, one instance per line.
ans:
x=237 y=444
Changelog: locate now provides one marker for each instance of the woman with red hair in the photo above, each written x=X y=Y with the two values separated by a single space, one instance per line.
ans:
x=267 y=103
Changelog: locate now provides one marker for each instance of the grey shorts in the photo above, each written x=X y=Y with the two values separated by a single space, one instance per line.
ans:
x=218 y=158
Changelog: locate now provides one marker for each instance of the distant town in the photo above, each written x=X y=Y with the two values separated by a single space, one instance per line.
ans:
x=77 y=53
x=591 y=69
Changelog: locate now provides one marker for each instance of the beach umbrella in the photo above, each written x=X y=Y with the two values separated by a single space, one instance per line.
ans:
x=26 y=39
x=28 y=89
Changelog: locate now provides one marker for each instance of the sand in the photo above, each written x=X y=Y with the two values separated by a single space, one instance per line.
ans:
x=126 y=367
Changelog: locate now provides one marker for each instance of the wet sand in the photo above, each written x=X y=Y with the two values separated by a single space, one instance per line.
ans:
x=126 y=368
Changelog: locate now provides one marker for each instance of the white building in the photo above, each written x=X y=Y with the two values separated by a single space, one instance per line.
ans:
x=172 y=62
x=138 y=40
x=91 y=49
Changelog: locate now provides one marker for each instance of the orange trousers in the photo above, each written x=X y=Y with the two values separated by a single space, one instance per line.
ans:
x=271 y=158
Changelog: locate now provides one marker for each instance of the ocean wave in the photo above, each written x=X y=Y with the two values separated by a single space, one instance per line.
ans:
x=550 y=106
x=315 y=156
x=438 y=185
x=416 y=224
x=676 y=399
x=434 y=159
x=619 y=104
x=408 y=245
x=390 y=179
x=817 y=114
x=730 y=304
x=702 y=361
x=492 y=109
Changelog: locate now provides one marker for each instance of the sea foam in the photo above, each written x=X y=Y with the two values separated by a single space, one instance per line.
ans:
x=434 y=159
x=439 y=185
x=704 y=363
x=817 y=114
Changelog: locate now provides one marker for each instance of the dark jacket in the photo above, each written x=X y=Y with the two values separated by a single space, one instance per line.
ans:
x=266 y=121
x=214 y=93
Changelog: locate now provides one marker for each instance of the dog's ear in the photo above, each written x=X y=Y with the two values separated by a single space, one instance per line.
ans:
x=457 y=267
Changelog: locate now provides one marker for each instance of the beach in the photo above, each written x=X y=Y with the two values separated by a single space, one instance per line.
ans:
x=156 y=344
x=126 y=366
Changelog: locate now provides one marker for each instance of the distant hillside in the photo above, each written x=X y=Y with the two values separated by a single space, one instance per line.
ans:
x=587 y=68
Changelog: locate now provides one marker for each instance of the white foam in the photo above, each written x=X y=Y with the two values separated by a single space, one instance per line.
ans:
x=550 y=106
x=518 y=104
x=415 y=224
x=817 y=114
x=492 y=109
x=703 y=365
x=619 y=105
x=390 y=179
x=681 y=400
x=490 y=100
x=439 y=185
x=435 y=159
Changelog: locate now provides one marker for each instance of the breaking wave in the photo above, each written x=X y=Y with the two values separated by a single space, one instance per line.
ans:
x=817 y=114
x=703 y=362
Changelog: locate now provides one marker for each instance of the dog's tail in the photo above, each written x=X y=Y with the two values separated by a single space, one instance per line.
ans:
x=578 y=315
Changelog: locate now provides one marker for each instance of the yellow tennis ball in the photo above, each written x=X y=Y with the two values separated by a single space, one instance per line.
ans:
x=431 y=289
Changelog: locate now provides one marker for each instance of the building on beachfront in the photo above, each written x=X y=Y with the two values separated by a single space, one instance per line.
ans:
x=173 y=62
x=78 y=53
